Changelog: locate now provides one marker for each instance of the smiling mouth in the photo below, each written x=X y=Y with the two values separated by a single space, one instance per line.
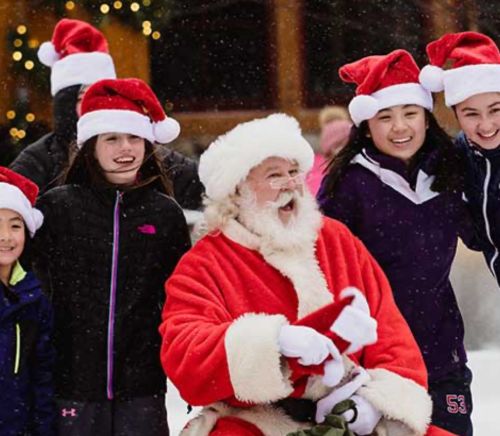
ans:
x=288 y=207
x=125 y=160
x=486 y=136
x=6 y=249
x=402 y=140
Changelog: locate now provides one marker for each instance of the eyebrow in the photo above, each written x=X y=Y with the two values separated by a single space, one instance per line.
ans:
x=16 y=219
x=474 y=109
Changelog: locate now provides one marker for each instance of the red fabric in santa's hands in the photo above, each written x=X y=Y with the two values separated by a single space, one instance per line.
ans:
x=321 y=321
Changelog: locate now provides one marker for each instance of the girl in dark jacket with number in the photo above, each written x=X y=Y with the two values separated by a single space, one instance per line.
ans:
x=26 y=349
x=397 y=186
x=113 y=235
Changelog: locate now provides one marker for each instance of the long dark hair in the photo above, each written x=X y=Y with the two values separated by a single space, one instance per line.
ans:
x=449 y=167
x=86 y=170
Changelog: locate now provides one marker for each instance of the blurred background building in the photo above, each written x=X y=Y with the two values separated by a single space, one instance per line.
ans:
x=216 y=63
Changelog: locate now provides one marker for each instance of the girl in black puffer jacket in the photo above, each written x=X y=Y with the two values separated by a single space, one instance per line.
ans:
x=112 y=236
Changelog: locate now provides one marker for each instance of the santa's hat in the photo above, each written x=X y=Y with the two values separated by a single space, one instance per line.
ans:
x=17 y=193
x=124 y=106
x=77 y=54
x=476 y=66
x=384 y=81
x=230 y=158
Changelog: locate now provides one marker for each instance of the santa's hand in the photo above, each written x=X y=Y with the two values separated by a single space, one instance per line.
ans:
x=355 y=324
x=359 y=377
x=364 y=418
x=334 y=371
x=306 y=344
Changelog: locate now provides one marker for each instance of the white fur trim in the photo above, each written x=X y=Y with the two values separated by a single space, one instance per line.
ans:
x=406 y=93
x=422 y=192
x=256 y=366
x=81 y=69
x=166 y=131
x=300 y=266
x=11 y=197
x=399 y=399
x=363 y=107
x=432 y=78
x=464 y=82
x=230 y=158
x=114 y=121
x=47 y=54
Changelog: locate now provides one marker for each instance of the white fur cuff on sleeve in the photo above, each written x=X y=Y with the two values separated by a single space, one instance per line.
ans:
x=255 y=362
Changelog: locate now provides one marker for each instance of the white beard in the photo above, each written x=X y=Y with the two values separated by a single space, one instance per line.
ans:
x=301 y=231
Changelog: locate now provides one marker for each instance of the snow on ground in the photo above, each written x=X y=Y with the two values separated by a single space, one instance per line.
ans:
x=485 y=365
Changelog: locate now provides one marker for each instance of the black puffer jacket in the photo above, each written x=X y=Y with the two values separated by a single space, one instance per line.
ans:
x=103 y=257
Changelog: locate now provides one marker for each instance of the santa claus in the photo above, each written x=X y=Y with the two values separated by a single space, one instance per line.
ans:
x=262 y=313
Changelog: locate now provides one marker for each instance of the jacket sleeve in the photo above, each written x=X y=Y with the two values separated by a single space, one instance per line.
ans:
x=44 y=242
x=210 y=355
x=33 y=163
x=398 y=385
x=43 y=374
x=183 y=172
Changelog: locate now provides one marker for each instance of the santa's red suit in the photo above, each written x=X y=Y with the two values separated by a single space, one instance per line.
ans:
x=226 y=302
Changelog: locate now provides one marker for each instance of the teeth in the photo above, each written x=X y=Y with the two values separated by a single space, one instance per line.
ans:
x=125 y=160
x=402 y=140
x=6 y=249
x=485 y=135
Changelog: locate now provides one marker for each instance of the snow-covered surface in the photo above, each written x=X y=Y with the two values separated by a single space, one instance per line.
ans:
x=485 y=365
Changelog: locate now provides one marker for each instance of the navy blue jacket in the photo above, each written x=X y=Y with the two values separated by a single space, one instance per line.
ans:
x=483 y=195
x=412 y=232
x=26 y=361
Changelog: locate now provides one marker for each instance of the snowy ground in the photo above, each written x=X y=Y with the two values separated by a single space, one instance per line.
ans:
x=485 y=366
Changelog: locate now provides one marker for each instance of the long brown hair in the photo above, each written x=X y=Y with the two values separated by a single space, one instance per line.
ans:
x=449 y=168
x=86 y=170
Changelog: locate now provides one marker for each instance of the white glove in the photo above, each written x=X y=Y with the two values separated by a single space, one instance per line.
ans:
x=365 y=420
x=326 y=404
x=334 y=371
x=355 y=323
x=311 y=347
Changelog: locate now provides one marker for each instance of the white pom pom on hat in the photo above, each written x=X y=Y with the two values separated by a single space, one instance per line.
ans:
x=363 y=107
x=432 y=78
x=166 y=131
x=47 y=54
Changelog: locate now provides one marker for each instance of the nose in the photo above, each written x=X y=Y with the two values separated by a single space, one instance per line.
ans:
x=398 y=124
x=5 y=235
x=485 y=125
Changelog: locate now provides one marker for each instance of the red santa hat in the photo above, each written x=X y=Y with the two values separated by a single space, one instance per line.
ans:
x=124 y=106
x=384 y=81
x=17 y=193
x=77 y=54
x=229 y=159
x=476 y=66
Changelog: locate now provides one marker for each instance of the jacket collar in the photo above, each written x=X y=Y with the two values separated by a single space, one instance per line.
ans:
x=391 y=175
x=474 y=150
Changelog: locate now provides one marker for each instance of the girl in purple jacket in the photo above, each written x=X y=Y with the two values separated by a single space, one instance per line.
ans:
x=397 y=186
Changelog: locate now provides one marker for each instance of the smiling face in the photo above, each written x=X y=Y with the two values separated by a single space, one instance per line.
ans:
x=479 y=118
x=12 y=237
x=399 y=131
x=273 y=181
x=120 y=156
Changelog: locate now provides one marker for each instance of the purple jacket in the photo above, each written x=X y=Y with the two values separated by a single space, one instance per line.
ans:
x=412 y=232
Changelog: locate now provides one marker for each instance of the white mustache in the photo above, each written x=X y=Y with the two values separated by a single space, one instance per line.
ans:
x=282 y=200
